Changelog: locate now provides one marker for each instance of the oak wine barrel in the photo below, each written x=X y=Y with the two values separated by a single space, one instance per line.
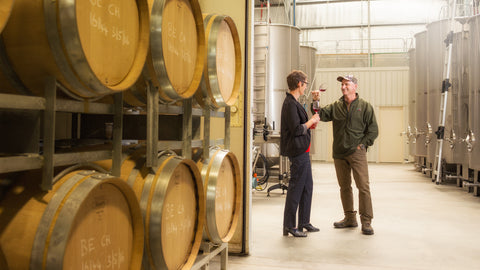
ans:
x=172 y=201
x=3 y=261
x=223 y=67
x=176 y=58
x=5 y=10
x=223 y=192
x=88 y=220
x=92 y=48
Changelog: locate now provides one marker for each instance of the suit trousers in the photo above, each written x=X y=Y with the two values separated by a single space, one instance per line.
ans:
x=299 y=193
x=355 y=163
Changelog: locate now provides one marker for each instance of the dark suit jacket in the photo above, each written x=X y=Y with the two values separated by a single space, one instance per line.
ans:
x=294 y=136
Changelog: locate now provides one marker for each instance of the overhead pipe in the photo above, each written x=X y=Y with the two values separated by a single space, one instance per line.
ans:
x=294 y=5
x=369 y=37
x=323 y=2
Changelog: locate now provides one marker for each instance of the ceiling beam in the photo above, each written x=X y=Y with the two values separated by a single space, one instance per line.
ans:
x=358 y=25
x=328 y=2
x=318 y=2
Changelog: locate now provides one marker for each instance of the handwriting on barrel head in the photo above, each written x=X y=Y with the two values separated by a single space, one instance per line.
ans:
x=177 y=220
x=99 y=253
x=227 y=71
x=99 y=24
x=177 y=43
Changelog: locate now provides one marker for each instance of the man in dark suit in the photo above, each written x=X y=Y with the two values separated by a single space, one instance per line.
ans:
x=295 y=144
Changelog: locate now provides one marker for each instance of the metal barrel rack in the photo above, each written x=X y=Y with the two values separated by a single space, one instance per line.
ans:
x=48 y=159
x=49 y=105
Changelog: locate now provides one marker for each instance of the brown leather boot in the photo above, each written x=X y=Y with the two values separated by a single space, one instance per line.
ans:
x=367 y=228
x=350 y=220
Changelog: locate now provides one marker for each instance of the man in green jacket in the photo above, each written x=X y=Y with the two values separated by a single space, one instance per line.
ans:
x=354 y=130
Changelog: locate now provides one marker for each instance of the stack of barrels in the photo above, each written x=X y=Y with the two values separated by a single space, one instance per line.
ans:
x=150 y=218
x=183 y=203
x=98 y=48
x=89 y=220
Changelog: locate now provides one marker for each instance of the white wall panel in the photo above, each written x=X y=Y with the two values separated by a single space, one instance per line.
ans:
x=382 y=12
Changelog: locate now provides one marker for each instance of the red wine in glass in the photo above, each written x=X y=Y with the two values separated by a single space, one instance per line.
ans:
x=316 y=105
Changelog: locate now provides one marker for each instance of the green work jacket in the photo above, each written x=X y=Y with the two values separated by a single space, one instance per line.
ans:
x=351 y=127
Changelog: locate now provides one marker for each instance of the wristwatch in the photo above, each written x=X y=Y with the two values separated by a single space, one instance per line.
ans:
x=362 y=146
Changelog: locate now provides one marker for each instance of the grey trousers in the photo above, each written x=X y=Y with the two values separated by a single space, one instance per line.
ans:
x=355 y=163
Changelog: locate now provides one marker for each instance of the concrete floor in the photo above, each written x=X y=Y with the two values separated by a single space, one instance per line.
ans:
x=418 y=225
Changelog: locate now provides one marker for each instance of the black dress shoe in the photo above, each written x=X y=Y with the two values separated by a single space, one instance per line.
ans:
x=293 y=232
x=309 y=227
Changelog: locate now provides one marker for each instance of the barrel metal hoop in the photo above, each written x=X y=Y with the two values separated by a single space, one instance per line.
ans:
x=151 y=204
x=210 y=175
x=135 y=171
x=71 y=42
x=39 y=249
x=210 y=87
x=64 y=222
x=212 y=82
x=165 y=175
x=94 y=167
x=167 y=153
x=157 y=51
x=158 y=59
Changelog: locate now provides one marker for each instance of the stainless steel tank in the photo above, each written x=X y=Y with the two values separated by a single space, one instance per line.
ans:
x=278 y=47
x=276 y=54
x=456 y=122
x=308 y=62
x=436 y=34
x=411 y=128
x=474 y=97
x=421 y=95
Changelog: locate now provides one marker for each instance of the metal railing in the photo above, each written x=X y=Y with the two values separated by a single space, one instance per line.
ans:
x=360 y=46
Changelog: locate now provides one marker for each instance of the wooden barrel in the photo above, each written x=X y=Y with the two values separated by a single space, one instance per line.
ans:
x=223 y=194
x=5 y=10
x=173 y=205
x=92 y=48
x=175 y=62
x=3 y=261
x=223 y=68
x=87 y=221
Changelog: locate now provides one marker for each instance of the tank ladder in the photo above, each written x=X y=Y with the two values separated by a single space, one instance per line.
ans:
x=437 y=169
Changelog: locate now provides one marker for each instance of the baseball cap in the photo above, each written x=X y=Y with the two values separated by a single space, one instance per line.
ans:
x=348 y=78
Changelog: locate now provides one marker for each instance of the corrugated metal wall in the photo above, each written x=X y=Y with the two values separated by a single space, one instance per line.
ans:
x=341 y=27
x=382 y=87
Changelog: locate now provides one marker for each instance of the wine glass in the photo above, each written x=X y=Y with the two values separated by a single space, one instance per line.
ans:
x=316 y=105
